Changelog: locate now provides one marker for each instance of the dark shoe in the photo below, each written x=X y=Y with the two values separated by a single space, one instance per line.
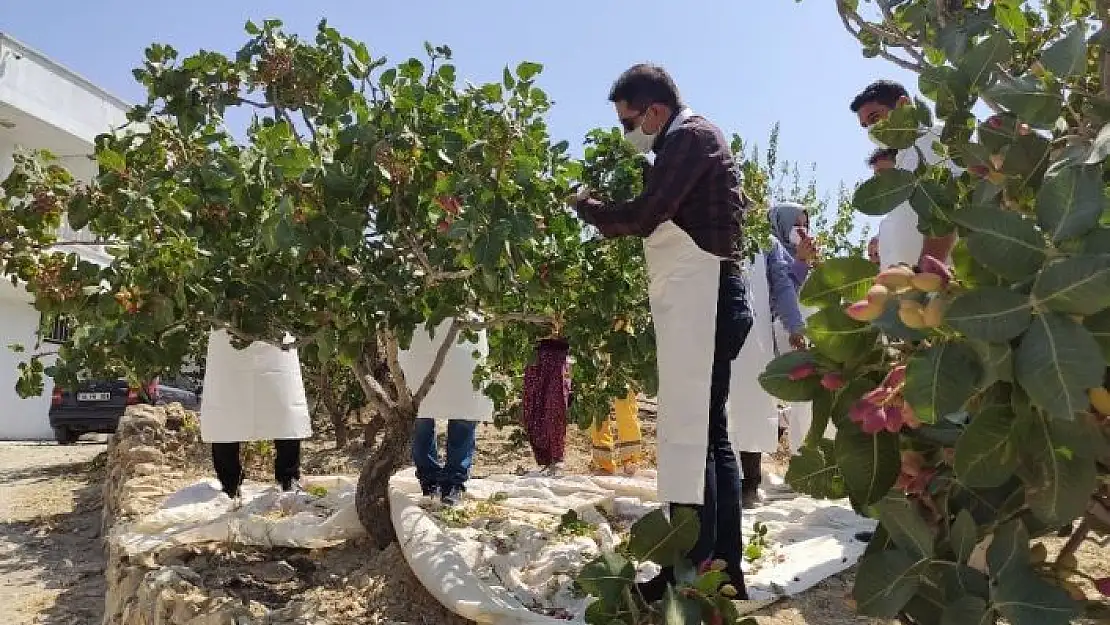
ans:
x=451 y=495
x=288 y=486
x=430 y=491
x=751 y=499
x=654 y=589
x=864 y=537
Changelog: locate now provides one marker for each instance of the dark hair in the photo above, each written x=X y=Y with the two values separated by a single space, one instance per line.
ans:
x=882 y=154
x=645 y=84
x=885 y=92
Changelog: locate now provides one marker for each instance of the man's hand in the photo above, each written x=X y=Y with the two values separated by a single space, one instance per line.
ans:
x=798 y=341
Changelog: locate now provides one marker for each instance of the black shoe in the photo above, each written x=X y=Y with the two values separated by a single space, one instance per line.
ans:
x=751 y=498
x=430 y=491
x=864 y=537
x=654 y=589
x=451 y=495
x=290 y=485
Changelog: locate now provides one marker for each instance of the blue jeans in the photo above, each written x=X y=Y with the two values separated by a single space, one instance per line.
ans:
x=719 y=514
x=462 y=438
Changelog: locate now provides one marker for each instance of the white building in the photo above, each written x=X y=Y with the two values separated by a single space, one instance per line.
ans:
x=42 y=106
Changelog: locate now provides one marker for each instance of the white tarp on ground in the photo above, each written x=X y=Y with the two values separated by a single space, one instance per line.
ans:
x=500 y=553
x=494 y=572
x=321 y=516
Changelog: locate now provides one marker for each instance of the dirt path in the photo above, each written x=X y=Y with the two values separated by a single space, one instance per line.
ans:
x=51 y=561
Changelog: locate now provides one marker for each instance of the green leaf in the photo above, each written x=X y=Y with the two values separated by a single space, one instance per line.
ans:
x=1002 y=241
x=607 y=576
x=899 y=130
x=981 y=61
x=1067 y=56
x=964 y=535
x=1023 y=598
x=967 y=610
x=1096 y=242
x=884 y=191
x=1027 y=98
x=985 y=454
x=528 y=70
x=905 y=525
x=1012 y=18
x=885 y=582
x=1078 y=285
x=1056 y=362
x=1071 y=201
x=932 y=200
x=838 y=280
x=946 y=86
x=1058 y=477
x=1009 y=549
x=664 y=542
x=870 y=464
x=1099 y=327
x=775 y=379
x=838 y=336
x=997 y=360
x=813 y=471
x=940 y=380
x=111 y=160
x=991 y=314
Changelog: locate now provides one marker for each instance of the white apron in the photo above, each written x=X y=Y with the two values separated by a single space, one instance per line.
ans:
x=253 y=394
x=453 y=395
x=756 y=411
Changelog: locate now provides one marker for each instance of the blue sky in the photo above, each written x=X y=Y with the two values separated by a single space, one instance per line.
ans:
x=744 y=64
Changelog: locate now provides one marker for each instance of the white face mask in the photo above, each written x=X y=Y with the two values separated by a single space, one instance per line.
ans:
x=796 y=236
x=640 y=140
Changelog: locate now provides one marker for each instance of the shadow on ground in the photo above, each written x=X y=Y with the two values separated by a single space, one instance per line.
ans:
x=53 y=564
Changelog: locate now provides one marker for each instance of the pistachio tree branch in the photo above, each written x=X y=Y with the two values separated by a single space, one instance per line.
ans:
x=437 y=364
x=391 y=347
x=856 y=26
x=375 y=394
x=499 y=320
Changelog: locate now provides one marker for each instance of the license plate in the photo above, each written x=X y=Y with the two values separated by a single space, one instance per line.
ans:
x=94 y=396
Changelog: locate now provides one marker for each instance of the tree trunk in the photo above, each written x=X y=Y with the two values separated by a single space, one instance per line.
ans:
x=339 y=423
x=372 y=494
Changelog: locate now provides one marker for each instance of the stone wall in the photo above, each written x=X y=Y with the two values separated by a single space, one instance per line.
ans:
x=149 y=443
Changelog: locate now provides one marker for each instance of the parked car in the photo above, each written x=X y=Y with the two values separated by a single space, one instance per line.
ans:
x=97 y=405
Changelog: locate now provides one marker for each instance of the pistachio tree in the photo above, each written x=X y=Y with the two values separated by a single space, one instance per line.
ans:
x=969 y=398
x=363 y=201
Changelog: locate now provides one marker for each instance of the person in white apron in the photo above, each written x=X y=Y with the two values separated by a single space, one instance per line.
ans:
x=899 y=239
x=453 y=399
x=253 y=394
x=782 y=274
x=689 y=214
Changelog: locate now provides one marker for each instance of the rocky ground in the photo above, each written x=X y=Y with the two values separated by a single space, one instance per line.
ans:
x=52 y=562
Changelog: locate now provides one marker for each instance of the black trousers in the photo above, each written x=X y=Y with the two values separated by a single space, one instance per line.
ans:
x=719 y=514
x=751 y=462
x=229 y=466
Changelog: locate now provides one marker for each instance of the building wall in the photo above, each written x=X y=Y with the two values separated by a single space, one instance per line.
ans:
x=20 y=419
x=43 y=106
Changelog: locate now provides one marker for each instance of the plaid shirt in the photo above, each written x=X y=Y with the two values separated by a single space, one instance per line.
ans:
x=694 y=182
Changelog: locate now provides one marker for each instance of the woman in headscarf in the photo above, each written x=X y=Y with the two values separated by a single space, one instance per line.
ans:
x=790 y=225
x=788 y=263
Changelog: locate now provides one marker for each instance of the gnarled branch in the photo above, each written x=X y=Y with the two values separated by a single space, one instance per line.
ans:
x=437 y=364
x=391 y=346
